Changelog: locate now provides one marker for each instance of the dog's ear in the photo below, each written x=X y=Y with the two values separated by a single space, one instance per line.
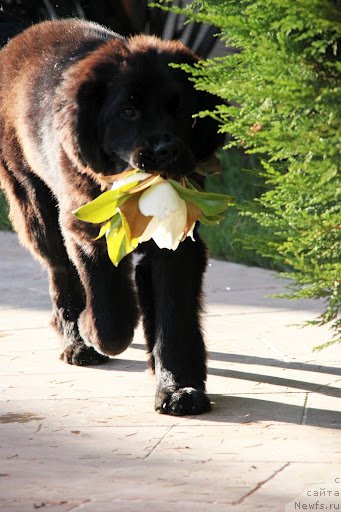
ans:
x=79 y=101
x=90 y=99
x=205 y=136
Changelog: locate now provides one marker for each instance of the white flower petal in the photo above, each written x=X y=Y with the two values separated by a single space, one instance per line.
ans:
x=138 y=176
x=160 y=200
x=168 y=233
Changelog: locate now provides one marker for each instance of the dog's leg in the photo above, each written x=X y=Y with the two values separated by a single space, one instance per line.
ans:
x=34 y=214
x=144 y=283
x=111 y=314
x=179 y=351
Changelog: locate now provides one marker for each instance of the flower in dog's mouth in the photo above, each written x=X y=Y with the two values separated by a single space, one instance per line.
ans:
x=170 y=222
x=142 y=206
x=156 y=212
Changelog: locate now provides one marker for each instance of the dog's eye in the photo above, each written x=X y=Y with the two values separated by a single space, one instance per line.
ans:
x=130 y=112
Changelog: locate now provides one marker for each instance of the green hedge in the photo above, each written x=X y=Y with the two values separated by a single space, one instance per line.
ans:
x=282 y=101
x=226 y=240
x=4 y=221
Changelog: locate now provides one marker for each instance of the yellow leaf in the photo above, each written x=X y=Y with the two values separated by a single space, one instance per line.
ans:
x=111 y=178
x=114 y=244
x=100 y=209
x=103 y=230
x=119 y=243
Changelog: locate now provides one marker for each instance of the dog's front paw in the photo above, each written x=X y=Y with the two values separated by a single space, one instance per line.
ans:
x=182 y=402
x=104 y=335
x=80 y=355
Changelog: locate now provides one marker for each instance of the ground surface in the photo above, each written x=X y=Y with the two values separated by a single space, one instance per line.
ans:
x=87 y=439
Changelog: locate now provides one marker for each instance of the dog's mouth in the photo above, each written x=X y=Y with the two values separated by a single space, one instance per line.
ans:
x=167 y=160
x=173 y=168
x=208 y=167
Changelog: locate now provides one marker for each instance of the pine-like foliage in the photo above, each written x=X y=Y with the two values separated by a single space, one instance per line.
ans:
x=283 y=102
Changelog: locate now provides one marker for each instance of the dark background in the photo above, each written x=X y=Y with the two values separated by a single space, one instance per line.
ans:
x=127 y=17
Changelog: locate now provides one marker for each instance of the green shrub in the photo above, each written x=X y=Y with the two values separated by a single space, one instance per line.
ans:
x=283 y=88
x=4 y=221
x=225 y=240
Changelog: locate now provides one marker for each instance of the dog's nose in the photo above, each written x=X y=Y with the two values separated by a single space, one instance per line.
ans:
x=165 y=152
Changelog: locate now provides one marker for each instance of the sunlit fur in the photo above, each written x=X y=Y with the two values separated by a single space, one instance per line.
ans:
x=63 y=85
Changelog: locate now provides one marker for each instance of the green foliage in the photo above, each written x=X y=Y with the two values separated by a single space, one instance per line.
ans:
x=283 y=88
x=4 y=221
x=225 y=240
x=210 y=204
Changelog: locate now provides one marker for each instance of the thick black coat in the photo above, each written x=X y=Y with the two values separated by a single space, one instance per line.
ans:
x=78 y=102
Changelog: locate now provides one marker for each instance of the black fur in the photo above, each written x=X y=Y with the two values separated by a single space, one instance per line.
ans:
x=88 y=103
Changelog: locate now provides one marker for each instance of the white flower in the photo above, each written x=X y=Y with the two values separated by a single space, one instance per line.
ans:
x=138 y=176
x=169 y=216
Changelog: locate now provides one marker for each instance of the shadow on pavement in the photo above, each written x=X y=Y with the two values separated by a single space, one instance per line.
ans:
x=322 y=389
x=240 y=409
x=276 y=363
x=245 y=410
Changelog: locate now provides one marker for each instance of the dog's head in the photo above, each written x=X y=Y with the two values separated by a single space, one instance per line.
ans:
x=134 y=109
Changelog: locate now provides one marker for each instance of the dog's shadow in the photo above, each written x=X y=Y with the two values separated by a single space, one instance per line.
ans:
x=247 y=410
x=240 y=409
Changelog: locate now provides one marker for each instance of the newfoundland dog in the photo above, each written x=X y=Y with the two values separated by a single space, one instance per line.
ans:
x=77 y=103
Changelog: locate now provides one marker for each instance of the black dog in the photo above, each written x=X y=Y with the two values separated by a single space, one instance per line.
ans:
x=78 y=102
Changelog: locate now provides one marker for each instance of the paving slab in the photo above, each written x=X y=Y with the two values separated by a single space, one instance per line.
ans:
x=88 y=439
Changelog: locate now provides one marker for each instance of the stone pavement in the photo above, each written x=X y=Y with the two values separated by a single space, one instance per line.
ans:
x=87 y=439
